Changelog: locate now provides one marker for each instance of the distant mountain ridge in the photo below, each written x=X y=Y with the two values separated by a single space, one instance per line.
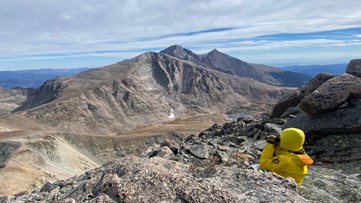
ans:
x=313 y=70
x=222 y=62
x=33 y=78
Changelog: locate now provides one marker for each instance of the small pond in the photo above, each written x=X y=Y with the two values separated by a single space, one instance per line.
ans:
x=235 y=116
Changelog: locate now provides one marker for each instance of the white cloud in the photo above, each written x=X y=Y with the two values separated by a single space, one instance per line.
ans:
x=42 y=27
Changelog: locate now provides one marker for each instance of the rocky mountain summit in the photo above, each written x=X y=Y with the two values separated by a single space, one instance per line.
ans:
x=148 y=89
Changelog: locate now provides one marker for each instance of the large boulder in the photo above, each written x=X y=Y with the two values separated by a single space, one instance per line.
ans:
x=332 y=94
x=288 y=101
x=317 y=81
x=354 y=67
x=341 y=121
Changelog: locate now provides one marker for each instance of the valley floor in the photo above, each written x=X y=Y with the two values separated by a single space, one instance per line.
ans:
x=29 y=158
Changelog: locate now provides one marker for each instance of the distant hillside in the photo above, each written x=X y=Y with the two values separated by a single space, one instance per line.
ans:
x=33 y=78
x=313 y=70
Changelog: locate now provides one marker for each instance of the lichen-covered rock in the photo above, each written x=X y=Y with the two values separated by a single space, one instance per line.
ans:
x=354 y=67
x=332 y=94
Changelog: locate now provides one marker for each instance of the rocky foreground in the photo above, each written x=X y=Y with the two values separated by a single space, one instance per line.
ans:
x=218 y=165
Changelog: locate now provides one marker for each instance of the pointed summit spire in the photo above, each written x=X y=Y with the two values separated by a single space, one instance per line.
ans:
x=215 y=51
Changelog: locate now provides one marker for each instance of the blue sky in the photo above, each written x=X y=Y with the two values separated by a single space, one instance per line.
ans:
x=90 y=33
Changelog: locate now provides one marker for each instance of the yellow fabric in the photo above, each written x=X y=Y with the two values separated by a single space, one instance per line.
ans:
x=287 y=164
x=292 y=139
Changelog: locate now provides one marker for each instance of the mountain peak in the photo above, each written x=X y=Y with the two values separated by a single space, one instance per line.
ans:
x=178 y=51
x=216 y=52
x=173 y=47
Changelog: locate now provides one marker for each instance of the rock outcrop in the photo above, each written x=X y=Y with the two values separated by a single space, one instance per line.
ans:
x=332 y=94
x=293 y=99
x=341 y=121
x=324 y=93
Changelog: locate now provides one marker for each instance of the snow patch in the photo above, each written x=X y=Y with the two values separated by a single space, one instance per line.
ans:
x=3 y=129
x=171 y=115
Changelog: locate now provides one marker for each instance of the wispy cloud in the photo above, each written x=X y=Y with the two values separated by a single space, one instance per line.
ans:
x=36 y=30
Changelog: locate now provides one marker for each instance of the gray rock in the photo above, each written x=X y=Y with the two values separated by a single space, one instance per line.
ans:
x=328 y=185
x=271 y=127
x=316 y=82
x=291 y=112
x=246 y=119
x=235 y=139
x=355 y=102
x=5 y=199
x=223 y=156
x=341 y=121
x=223 y=148
x=165 y=152
x=288 y=101
x=287 y=104
x=171 y=144
x=198 y=150
x=47 y=187
x=68 y=200
x=337 y=149
x=332 y=94
x=354 y=67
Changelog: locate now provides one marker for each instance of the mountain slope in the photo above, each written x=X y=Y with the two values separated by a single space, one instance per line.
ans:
x=139 y=91
x=285 y=77
x=12 y=98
